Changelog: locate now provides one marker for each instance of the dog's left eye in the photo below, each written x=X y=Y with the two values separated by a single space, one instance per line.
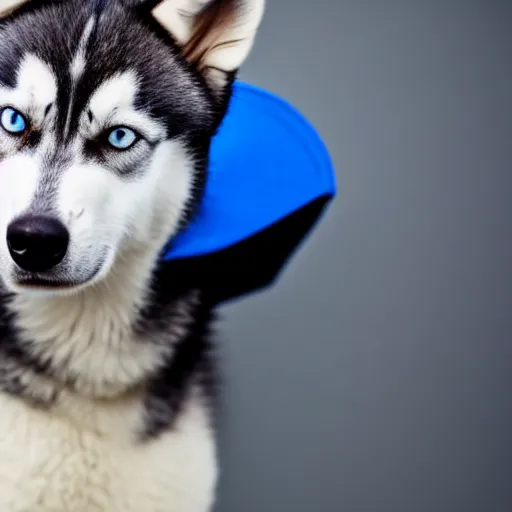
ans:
x=122 y=138
x=12 y=121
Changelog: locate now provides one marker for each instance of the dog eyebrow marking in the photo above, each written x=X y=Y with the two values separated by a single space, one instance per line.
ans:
x=77 y=68
x=36 y=85
x=47 y=109
x=90 y=115
x=112 y=103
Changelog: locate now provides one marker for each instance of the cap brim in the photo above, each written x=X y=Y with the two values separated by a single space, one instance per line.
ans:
x=270 y=176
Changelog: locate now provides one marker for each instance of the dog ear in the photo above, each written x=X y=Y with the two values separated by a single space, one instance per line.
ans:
x=7 y=6
x=215 y=35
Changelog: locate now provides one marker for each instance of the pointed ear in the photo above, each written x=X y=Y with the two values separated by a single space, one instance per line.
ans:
x=215 y=35
x=7 y=6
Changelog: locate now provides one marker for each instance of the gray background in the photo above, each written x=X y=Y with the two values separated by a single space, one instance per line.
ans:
x=377 y=374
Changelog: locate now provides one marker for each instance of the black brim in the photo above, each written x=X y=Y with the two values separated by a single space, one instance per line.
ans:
x=270 y=179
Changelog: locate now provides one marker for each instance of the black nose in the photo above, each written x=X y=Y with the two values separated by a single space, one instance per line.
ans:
x=37 y=243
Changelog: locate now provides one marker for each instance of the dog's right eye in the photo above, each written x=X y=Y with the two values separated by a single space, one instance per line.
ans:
x=12 y=121
x=122 y=138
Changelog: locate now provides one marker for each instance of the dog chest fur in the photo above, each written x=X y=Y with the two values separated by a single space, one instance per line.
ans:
x=107 y=383
x=49 y=463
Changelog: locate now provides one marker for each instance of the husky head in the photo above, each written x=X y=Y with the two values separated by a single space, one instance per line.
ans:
x=107 y=109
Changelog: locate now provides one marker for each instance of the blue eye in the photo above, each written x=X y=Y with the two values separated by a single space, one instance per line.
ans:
x=122 y=138
x=12 y=121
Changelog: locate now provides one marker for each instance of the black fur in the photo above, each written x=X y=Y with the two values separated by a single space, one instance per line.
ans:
x=18 y=369
x=191 y=365
x=176 y=94
x=183 y=292
x=170 y=89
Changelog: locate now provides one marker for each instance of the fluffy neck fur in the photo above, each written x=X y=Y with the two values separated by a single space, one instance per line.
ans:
x=102 y=342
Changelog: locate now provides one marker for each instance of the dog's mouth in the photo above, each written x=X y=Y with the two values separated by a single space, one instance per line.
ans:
x=62 y=279
x=51 y=284
x=56 y=283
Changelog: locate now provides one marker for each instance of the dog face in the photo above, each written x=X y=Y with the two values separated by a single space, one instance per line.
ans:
x=107 y=109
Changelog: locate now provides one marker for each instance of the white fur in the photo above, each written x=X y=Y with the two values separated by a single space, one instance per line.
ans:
x=115 y=224
x=36 y=88
x=89 y=335
x=18 y=181
x=68 y=468
x=77 y=66
x=102 y=211
x=112 y=105
x=83 y=455
x=78 y=63
x=6 y=6
x=19 y=173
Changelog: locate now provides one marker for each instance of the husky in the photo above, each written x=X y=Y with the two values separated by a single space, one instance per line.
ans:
x=107 y=377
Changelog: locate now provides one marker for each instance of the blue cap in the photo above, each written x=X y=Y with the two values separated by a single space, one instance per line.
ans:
x=268 y=166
